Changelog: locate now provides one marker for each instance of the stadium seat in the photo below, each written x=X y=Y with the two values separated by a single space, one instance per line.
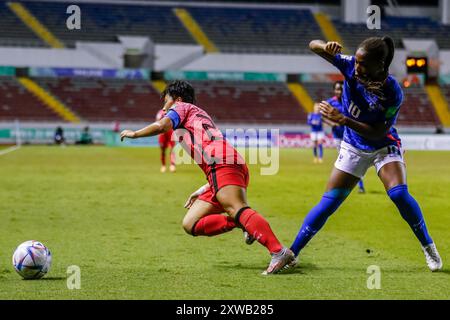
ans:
x=103 y=22
x=99 y=100
x=136 y=100
x=249 y=102
x=258 y=30
x=14 y=32
x=18 y=103
x=397 y=28
x=446 y=91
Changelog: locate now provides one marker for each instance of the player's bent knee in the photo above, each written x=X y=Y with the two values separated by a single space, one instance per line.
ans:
x=188 y=226
x=238 y=213
x=232 y=211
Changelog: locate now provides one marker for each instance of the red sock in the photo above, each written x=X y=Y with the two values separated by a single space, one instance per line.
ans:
x=214 y=224
x=259 y=229
x=163 y=156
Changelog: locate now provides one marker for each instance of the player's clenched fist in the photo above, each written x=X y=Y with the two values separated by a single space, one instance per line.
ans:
x=127 y=134
x=333 y=47
x=331 y=113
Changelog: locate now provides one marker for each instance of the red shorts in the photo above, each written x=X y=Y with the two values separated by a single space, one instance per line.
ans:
x=221 y=176
x=165 y=140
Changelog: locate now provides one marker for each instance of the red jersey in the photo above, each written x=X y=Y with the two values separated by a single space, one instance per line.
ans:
x=199 y=136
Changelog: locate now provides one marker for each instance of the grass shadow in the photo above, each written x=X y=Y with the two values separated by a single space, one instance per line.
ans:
x=304 y=268
x=445 y=271
x=53 y=278
x=375 y=192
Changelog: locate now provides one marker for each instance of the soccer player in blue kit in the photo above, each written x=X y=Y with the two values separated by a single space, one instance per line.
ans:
x=317 y=135
x=371 y=102
x=336 y=129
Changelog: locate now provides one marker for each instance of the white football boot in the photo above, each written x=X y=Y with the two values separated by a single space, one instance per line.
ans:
x=279 y=261
x=291 y=265
x=432 y=256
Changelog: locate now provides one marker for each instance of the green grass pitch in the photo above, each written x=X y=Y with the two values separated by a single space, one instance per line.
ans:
x=110 y=212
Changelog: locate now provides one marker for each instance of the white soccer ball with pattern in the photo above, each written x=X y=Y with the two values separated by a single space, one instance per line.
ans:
x=32 y=260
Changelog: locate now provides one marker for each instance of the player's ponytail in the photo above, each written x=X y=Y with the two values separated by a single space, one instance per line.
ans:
x=390 y=52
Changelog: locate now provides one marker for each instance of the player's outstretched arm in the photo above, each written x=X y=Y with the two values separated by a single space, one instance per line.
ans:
x=326 y=50
x=374 y=131
x=158 y=127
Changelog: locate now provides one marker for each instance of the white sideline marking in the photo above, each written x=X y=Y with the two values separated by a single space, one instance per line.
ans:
x=8 y=150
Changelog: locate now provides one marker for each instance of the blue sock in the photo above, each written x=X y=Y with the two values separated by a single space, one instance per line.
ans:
x=410 y=211
x=315 y=151
x=317 y=217
x=361 y=184
x=320 y=151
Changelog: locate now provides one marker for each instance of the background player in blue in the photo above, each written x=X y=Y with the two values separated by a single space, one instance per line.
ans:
x=317 y=135
x=338 y=130
x=371 y=102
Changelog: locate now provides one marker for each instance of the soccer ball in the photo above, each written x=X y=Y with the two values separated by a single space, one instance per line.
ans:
x=32 y=260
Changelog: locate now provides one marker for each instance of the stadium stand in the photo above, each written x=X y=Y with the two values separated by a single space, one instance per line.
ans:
x=249 y=102
x=99 y=100
x=446 y=92
x=95 y=99
x=135 y=100
x=396 y=27
x=17 y=103
x=319 y=91
x=417 y=109
x=231 y=29
x=14 y=32
x=103 y=22
x=258 y=30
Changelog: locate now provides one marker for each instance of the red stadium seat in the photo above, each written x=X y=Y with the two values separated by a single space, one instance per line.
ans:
x=18 y=103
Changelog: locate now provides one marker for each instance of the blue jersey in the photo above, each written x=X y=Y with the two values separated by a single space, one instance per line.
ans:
x=338 y=131
x=315 y=121
x=363 y=106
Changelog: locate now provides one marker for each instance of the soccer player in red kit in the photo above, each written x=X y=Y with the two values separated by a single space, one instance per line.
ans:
x=166 y=142
x=226 y=173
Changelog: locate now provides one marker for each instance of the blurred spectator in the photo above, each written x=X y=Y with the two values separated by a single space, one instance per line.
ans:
x=439 y=129
x=116 y=126
x=86 y=137
x=59 y=136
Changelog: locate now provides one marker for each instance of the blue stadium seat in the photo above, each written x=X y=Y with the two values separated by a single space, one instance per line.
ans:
x=14 y=32
x=103 y=22
x=397 y=28
x=258 y=30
